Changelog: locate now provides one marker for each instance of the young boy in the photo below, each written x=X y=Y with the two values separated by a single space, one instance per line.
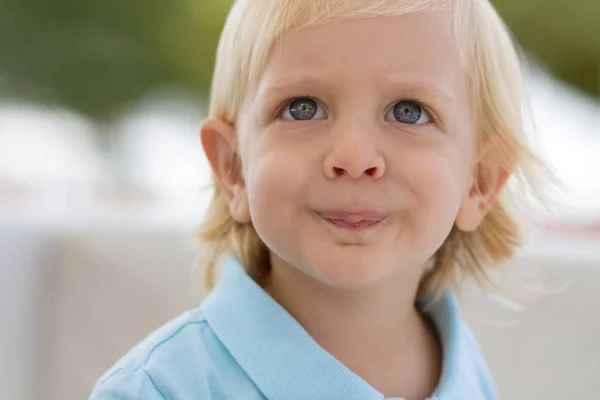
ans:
x=359 y=149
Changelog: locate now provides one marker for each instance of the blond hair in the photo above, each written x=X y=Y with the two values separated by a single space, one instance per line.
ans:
x=489 y=56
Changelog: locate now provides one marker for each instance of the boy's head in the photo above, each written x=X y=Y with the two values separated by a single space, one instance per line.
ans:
x=359 y=141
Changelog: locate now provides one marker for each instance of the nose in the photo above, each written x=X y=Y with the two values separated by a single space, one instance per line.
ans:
x=354 y=153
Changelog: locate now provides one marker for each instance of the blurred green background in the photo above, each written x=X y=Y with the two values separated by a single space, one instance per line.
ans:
x=96 y=56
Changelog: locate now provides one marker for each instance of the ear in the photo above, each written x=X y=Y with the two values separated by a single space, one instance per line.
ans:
x=490 y=173
x=219 y=143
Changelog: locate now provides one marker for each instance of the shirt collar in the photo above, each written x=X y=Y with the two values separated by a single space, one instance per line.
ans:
x=285 y=362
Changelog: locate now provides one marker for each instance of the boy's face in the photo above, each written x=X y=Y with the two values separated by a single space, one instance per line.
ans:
x=356 y=149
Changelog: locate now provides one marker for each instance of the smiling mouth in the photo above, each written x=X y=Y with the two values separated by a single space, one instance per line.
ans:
x=353 y=221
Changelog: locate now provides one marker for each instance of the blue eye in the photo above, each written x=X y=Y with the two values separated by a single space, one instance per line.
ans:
x=408 y=112
x=303 y=109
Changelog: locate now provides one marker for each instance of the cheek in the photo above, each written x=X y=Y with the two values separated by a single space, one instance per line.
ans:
x=277 y=178
x=437 y=179
x=277 y=184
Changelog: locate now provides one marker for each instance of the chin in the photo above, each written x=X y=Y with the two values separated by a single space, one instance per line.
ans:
x=349 y=270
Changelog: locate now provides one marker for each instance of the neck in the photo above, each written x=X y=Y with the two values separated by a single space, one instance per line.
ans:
x=375 y=331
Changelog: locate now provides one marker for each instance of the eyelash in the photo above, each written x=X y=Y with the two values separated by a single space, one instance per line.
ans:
x=289 y=100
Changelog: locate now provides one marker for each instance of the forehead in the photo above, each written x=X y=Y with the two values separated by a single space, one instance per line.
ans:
x=412 y=48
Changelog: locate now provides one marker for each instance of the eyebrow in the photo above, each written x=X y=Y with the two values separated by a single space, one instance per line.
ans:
x=416 y=87
x=430 y=90
x=409 y=87
x=296 y=83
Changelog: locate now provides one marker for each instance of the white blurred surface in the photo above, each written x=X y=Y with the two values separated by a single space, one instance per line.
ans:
x=567 y=127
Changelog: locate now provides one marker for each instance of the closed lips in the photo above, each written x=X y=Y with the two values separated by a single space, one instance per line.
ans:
x=352 y=219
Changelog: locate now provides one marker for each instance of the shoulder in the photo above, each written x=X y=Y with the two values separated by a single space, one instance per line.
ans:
x=464 y=370
x=474 y=366
x=160 y=366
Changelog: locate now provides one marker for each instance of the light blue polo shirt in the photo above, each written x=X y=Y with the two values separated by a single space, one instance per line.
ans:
x=241 y=344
